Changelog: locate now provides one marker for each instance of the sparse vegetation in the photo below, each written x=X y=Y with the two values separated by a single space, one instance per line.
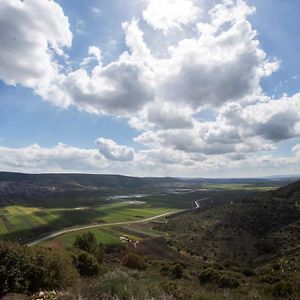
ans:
x=134 y=261
x=236 y=246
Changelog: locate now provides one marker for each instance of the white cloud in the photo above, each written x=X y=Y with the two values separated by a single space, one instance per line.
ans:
x=96 y=10
x=112 y=151
x=60 y=158
x=230 y=11
x=169 y=14
x=190 y=73
x=296 y=150
x=32 y=32
x=156 y=162
x=80 y=26
x=95 y=55
x=214 y=63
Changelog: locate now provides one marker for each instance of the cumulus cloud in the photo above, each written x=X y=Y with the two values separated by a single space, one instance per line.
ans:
x=94 y=55
x=155 y=162
x=189 y=73
x=60 y=158
x=32 y=32
x=210 y=59
x=112 y=151
x=296 y=150
x=169 y=14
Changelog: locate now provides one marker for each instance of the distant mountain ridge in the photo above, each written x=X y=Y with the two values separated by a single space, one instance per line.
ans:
x=21 y=183
x=28 y=184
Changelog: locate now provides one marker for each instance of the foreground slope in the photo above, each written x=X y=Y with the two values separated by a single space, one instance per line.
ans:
x=244 y=248
x=251 y=230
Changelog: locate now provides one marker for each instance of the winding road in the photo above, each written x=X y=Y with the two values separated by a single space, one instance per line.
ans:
x=72 y=229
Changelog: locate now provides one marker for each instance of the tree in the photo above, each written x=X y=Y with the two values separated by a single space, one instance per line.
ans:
x=15 y=268
x=134 y=261
x=24 y=269
x=86 y=264
x=88 y=242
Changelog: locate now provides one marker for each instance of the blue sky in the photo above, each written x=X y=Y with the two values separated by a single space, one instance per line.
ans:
x=156 y=104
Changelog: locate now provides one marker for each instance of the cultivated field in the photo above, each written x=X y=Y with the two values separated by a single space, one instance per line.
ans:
x=28 y=218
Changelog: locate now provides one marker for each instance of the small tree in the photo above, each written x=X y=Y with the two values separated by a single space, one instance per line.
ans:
x=134 y=261
x=16 y=263
x=177 y=271
x=86 y=264
x=88 y=242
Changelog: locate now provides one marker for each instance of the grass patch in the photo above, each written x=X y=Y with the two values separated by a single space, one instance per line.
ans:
x=103 y=236
x=236 y=187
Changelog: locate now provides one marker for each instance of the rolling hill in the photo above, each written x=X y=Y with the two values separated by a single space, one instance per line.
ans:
x=20 y=183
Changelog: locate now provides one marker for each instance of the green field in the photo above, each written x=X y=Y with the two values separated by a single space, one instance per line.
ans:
x=28 y=218
x=243 y=187
x=106 y=237
x=37 y=218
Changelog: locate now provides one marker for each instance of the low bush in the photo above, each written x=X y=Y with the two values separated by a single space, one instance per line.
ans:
x=85 y=263
x=222 y=279
x=134 y=261
x=53 y=269
x=24 y=269
x=88 y=243
x=16 y=264
x=248 y=272
x=282 y=289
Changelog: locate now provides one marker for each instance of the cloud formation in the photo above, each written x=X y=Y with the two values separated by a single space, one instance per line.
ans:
x=112 y=151
x=210 y=60
x=169 y=14
x=32 y=34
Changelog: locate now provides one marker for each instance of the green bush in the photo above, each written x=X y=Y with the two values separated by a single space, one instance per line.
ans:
x=177 y=271
x=16 y=265
x=86 y=264
x=88 y=243
x=282 y=289
x=24 y=269
x=222 y=279
x=248 y=272
x=117 y=283
x=53 y=269
x=134 y=261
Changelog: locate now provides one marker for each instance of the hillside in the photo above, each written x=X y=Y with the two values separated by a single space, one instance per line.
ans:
x=250 y=230
x=258 y=235
x=20 y=183
x=30 y=184
x=243 y=247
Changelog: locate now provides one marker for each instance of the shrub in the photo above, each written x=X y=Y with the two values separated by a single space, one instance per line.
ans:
x=175 y=290
x=86 y=264
x=117 y=283
x=282 y=289
x=16 y=263
x=53 y=269
x=177 y=271
x=276 y=267
x=222 y=279
x=88 y=242
x=174 y=272
x=24 y=269
x=248 y=272
x=134 y=261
